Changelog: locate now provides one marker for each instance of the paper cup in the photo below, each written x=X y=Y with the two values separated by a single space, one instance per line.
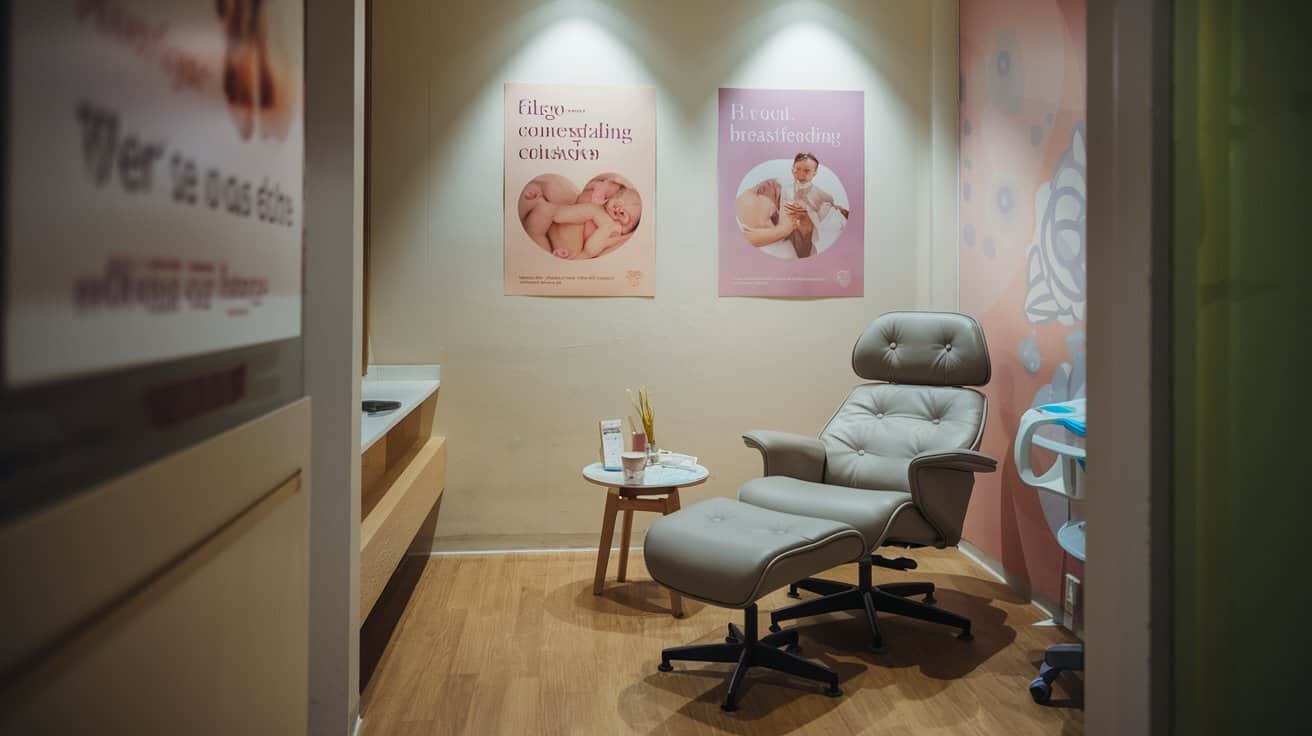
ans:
x=635 y=466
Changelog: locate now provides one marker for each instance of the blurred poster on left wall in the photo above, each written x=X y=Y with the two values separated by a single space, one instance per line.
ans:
x=580 y=190
x=154 y=182
x=153 y=166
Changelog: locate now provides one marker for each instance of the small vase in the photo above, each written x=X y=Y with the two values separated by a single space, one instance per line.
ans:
x=653 y=455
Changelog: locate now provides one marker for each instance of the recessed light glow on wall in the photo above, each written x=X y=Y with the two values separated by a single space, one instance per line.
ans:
x=811 y=45
x=577 y=47
x=801 y=53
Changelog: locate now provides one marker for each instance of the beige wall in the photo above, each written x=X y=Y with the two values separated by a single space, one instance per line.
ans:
x=526 y=379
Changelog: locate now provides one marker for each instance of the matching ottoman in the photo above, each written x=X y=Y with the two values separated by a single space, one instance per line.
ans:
x=730 y=554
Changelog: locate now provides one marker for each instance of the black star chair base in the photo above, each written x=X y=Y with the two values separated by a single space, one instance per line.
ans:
x=891 y=598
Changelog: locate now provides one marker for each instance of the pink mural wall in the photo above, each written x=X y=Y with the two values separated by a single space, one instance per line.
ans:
x=1022 y=178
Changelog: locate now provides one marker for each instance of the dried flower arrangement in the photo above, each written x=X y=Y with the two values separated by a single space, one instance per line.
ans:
x=643 y=407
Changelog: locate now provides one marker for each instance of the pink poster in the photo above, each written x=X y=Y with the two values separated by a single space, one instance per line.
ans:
x=792 y=183
x=580 y=186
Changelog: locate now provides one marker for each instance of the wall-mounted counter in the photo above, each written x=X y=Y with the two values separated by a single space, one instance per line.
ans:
x=402 y=470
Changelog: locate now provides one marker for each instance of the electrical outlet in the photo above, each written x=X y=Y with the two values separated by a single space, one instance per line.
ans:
x=1072 y=598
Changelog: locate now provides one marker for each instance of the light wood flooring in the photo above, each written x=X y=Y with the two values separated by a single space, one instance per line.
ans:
x=518 y=644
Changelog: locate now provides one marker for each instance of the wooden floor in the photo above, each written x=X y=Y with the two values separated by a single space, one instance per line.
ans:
x=518 y=644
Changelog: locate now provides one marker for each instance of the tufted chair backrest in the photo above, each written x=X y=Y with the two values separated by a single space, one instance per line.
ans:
x=925 y=360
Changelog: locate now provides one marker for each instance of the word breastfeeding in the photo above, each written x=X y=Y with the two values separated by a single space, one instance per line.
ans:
x=107 y=151
x=779 y=134
x=574 y=133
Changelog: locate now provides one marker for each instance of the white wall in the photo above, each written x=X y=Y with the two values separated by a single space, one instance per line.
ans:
x=525 y=379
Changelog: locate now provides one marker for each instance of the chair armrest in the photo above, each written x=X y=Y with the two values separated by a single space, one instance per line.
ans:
x=793 y=455
x=969 y=461
x=941 y=484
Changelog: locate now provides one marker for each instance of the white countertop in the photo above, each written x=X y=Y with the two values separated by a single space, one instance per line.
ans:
x=408 y=384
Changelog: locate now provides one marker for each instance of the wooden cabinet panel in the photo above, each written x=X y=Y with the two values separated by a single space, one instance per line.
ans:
x=172 y=600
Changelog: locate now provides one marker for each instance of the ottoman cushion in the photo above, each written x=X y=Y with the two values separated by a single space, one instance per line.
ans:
x=729 y=554
x=869 y=512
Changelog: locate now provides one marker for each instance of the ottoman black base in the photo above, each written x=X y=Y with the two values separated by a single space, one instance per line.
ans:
x=743 y=647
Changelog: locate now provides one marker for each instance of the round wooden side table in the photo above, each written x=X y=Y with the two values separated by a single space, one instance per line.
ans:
x=659 y=492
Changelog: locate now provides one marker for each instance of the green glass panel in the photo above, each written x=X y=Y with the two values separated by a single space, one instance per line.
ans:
x=1242 y=185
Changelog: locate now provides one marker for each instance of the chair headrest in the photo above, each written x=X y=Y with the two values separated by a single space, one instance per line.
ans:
x=923 y=348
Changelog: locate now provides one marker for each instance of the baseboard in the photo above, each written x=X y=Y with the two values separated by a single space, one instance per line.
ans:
x=994 y=568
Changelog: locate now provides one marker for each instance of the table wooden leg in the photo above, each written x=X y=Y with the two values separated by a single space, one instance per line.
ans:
x=672 y=505
x=625 y=535
x=607 y=534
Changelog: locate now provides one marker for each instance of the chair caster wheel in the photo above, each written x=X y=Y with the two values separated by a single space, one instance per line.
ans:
x=930 y=600
x=665 y=667
x=834 y=692
x=793 y=648
x=793 y=594
x=730 y=640
x=775 y=628
x=728 y=707
x=1040 y=690
x=966 y=636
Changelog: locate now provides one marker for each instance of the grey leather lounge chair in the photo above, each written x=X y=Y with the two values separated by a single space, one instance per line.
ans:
x=897 y=461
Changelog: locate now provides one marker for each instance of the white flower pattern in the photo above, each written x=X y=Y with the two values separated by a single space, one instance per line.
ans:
x=1055 y=267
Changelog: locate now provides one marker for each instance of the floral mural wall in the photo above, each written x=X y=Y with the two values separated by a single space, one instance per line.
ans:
x=1023 y=182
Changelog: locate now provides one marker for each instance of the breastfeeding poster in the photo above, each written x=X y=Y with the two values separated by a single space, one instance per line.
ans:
x=791 y=191
x=580 y=190
x=153 y=200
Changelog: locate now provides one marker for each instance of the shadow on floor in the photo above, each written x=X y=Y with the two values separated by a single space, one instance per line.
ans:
x=931 y=648
x=703 y=687
x=839 y=641
x=576 y=603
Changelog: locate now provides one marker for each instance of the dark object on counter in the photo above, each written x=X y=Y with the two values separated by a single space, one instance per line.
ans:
x=378 y=407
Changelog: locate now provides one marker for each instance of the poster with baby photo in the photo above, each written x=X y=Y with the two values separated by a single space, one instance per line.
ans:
x=580 y=190
x=792 y=194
